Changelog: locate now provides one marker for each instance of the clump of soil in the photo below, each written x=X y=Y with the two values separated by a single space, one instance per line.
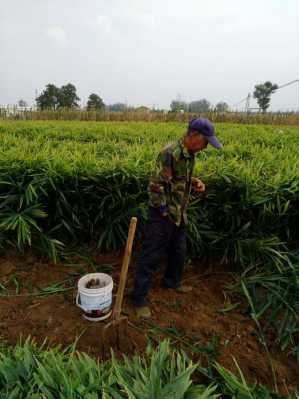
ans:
x=95 y=283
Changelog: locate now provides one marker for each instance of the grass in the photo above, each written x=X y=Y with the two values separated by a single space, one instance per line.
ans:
x=27 y=371
x=62 y=182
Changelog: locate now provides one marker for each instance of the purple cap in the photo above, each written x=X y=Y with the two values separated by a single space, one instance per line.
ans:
x=205 y=127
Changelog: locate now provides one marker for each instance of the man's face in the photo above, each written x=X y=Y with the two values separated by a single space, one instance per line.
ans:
x=196 y=142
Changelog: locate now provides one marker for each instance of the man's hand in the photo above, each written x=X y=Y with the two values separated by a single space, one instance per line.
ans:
x=163 y=210
x=198 y=185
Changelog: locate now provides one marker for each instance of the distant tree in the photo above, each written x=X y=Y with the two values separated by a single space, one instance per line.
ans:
x=117 y=107
x=198 y=106
x=49 y=97
x=67 y=96
x=54 y=97
x=94 y=102
x=177 y=105
x=22 y=103
x=222 y=107
x=263 y=93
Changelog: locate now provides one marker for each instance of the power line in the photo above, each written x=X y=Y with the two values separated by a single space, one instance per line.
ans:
x=287 y=84
x=248 y=97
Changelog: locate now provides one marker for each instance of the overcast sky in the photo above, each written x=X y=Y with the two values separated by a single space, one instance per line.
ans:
x=148 y=52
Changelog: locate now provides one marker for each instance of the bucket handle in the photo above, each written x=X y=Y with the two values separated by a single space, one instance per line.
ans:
x=78 y=302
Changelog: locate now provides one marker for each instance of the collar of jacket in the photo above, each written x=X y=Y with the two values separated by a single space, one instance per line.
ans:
x=184 y=149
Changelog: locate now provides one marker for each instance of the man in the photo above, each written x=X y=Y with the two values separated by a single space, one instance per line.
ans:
x=169 y=190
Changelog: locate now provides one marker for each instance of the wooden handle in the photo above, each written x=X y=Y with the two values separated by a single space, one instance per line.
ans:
x=124 y=269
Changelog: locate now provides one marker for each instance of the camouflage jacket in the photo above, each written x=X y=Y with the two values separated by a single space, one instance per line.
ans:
x=170 y=184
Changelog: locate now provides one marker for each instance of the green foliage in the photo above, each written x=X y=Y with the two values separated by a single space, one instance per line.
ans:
x=163 y=373
x=48 y=99
x=118 y=107
x=94 y=102
x=274 y=300
x=178 y=105
x=263 y=93
x=65 y=183
x=68 y=97
x=72 y=182
x=222 y=107
x=238 y=388
x=68 y=182
x=199 y=106
x=121 y=112
x=22 y=103
x=54 y=97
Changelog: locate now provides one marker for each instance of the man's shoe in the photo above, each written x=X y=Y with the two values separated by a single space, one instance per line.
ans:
x=143 y=312
x=184 y=289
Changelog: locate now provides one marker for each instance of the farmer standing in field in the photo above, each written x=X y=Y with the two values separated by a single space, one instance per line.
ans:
x=169 y=190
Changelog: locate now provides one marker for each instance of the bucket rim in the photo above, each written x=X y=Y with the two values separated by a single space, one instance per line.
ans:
x=82 y=281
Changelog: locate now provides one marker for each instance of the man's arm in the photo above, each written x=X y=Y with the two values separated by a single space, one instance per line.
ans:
x=160 y=182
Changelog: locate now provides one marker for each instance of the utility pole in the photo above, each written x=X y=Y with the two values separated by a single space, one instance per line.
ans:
x=36 y=95
x=247 y=104
x=237 y=104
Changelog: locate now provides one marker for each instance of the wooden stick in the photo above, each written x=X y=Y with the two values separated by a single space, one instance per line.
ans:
x=124 y=269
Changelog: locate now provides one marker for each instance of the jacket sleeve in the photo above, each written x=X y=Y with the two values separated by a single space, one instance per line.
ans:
x=160 y=181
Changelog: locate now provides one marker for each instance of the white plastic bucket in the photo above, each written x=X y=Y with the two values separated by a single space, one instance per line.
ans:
x=95 y=302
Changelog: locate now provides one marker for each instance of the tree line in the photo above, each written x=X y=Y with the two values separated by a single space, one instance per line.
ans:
x=262 y=93
x=53 y=97
x=202 y=105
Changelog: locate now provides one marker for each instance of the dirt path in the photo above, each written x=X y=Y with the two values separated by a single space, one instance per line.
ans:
x=193 y=321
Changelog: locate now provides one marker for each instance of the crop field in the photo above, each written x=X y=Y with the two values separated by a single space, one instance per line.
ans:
x=67 y=192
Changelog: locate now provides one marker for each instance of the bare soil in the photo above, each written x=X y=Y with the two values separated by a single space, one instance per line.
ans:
x=193 y=321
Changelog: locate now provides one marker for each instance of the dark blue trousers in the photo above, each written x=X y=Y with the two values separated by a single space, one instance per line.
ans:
x=162 y=237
